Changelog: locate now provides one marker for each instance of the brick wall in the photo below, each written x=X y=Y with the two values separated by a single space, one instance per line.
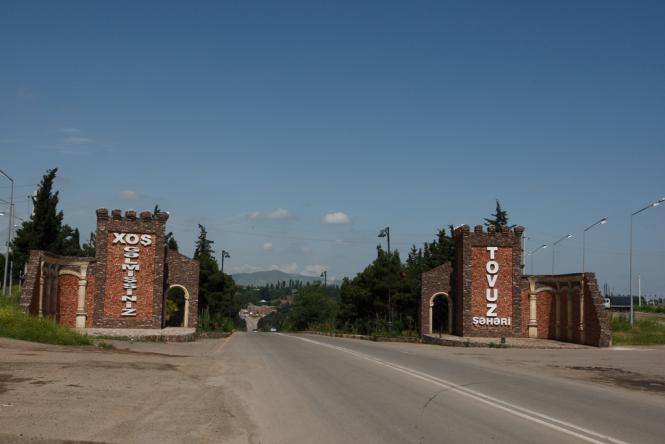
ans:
x=109 y=274
x=471 y=260
x=68 y=288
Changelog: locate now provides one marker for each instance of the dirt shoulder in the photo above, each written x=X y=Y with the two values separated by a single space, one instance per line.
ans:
x=138 y=392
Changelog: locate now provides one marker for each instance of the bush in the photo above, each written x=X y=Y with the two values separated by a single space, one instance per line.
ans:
x=16 y=324
x=645 y=332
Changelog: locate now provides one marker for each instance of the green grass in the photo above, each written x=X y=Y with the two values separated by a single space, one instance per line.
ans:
x=650 y=308
x=15 y=324
x=645 y=332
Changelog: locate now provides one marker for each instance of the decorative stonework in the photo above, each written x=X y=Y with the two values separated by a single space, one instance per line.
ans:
x=490 y=297
x=87 y=292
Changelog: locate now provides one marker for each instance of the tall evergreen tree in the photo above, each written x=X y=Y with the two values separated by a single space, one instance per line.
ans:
x=499 y=218
x=203 y=245
x=44 y=229
x=171 y=242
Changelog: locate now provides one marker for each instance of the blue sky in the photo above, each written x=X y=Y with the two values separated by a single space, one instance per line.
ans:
x=415 y=115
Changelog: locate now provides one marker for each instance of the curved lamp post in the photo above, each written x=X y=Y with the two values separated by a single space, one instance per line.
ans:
x=567 y=236
x=532 y=252
x=630 y=265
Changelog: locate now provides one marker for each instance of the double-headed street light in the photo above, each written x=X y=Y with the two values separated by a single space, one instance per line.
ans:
x=602 y=221
x=567 y=236
x=532 y=252
x=385 y=232
x=630 y=266
x=324 y=275
x=225 y=255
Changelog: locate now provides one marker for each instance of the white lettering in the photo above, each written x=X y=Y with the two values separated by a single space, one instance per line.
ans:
x=146 y=240
x=491 y=294
x=491 y=310
x=132 y=239
x=492 y=250
x=118 y=237
x=491 y=280
x=492 y=267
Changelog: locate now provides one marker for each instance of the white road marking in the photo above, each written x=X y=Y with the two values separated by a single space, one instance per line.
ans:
x=531 y=415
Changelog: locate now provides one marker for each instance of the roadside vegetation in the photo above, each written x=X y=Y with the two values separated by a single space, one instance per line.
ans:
x=16 y=324
x=360 y=305
x=645 y=332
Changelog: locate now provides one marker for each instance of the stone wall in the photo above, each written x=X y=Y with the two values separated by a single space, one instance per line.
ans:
x=569 y=308
x=436 y=281
x=184 y=272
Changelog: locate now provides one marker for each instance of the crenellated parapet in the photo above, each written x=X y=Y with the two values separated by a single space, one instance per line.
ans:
x=131 y=216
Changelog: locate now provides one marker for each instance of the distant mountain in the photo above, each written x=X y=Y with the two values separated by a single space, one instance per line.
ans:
x=262 y=278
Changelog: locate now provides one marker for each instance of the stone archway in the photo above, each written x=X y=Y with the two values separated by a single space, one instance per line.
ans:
x=185 y=311
x=441 y=314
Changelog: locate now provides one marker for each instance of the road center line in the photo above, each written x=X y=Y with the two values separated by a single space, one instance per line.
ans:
x=531 y=415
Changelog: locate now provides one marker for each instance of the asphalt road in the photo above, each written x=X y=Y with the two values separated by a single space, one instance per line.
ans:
x=271 y=388
x=306 y=388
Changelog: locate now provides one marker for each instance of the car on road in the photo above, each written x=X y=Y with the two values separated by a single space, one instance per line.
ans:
x=273 y=329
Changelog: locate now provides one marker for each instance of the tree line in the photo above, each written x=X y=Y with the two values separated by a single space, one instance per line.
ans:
x=362 y=306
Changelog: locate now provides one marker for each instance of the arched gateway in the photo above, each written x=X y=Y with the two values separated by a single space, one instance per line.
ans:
x=483 y=293
x=123 y=286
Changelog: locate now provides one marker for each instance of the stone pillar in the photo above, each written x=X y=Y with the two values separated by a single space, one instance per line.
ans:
x=81 y=314
x=185 y=321
x=533 y=309
x=557 y=301
x=569 y=314
x=582 y=332
x=54 y=293
x=40 y=307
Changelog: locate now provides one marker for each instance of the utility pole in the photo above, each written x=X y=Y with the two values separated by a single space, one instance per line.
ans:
x=324 y=275
x=639 y=290
x=9 y=233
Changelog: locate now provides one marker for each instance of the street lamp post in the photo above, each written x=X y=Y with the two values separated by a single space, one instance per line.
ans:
x=602 y=221
x=630 y=261
x=324 y=275
x=225 y=255
x=567 y=236
x=531 y=253
x=9 y=233
x=386 y=233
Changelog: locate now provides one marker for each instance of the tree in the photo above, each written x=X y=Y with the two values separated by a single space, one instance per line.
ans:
x=171 y=242
x=499 y=218
x=90 y=248
x=44 y=229
x=203 y=244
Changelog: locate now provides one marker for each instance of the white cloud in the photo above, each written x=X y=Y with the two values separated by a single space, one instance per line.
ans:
x=267 y=246
x=314 y=270
x=336 y=218
x=276 y=214
x=77 y=140
x=245 y=268
x=129 y=195
x=291 y=268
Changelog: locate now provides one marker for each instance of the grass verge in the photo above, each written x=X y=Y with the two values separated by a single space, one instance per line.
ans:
x=645 y=332
x=16 y=324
